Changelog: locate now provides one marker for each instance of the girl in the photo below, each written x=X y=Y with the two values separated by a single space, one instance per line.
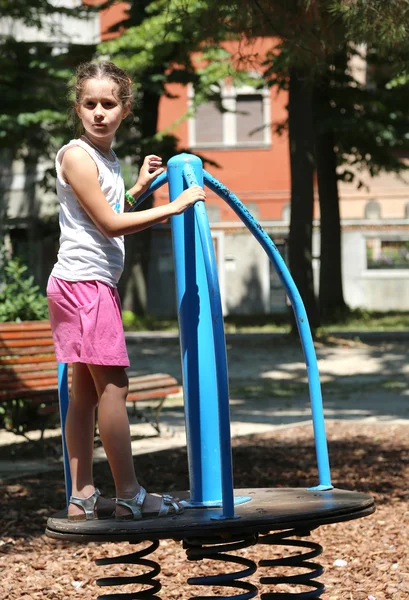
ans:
x=84 y=305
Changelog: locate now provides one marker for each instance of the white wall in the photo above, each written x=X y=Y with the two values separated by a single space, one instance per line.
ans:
x=353 y=267
x=373 y=289
x=387 y=290
x=58 y=29
x=246 y=284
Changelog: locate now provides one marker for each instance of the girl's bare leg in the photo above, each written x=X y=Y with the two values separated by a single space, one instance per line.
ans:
x=79 y=432
x=112 y=387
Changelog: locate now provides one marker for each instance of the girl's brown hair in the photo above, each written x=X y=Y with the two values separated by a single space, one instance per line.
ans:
x=102 y=70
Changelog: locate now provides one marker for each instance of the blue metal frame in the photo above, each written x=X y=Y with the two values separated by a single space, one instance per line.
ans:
x=63 y=400
x=196 y=343
x=203 y=347
x=219 y=341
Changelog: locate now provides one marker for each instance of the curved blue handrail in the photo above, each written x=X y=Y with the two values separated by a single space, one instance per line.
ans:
x=301 y=319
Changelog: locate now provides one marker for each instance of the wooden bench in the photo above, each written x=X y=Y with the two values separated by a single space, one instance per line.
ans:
x=28 y=373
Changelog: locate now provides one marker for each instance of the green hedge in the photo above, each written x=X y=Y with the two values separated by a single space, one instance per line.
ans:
x=20 y=297
x=20 y=300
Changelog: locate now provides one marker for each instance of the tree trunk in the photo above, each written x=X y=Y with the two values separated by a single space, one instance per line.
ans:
x=331 y=297
x=300 y=123
x=133 y=286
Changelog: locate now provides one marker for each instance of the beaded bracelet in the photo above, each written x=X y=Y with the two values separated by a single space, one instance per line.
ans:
x=129 y=198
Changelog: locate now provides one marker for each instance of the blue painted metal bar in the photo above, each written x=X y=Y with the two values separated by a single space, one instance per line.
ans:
x=196 y=344
x=222 y=379
x=63 y=400
x=155 y=185
x=301 y=320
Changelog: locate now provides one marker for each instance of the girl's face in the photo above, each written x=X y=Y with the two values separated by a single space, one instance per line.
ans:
x=100 y=109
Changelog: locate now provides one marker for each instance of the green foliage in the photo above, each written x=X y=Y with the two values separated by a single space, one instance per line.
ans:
x=32 y=13
x=370 y=123
x=181 y=41
x=171 y=41
x=382 y=22
x=20 y=297
x=33 y=87
x=130 y=321
x=33 y=79
x=20 y=300
x=154 y=50
x=133 y=322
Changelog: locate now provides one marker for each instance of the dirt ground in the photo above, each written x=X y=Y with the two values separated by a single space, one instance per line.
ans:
x=365 y=393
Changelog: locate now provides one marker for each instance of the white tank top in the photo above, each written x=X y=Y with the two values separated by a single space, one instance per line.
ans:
x=85 y=252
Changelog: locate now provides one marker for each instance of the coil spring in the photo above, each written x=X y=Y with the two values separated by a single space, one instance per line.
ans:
x=216 y=549
x=135 y=558
x=295 y=560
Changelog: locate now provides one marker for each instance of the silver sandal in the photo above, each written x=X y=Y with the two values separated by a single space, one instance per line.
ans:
x=169 y=506
x=89 y=506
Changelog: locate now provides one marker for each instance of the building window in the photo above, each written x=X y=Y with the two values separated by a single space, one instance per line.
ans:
x=249 y=118
x=387 y=254
x=372 y=210
x=244 y=123
x=208 y=125
x=213 y=212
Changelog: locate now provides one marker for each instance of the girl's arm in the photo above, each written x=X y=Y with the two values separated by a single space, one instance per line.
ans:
x=149 y=171
x=80 y=171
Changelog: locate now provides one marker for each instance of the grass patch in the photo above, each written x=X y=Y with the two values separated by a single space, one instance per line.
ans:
x=354 y=320
x=361 y=320
x=395 y=385
x=133 y=322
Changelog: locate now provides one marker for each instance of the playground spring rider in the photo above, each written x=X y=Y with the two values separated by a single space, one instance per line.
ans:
x=218 y=518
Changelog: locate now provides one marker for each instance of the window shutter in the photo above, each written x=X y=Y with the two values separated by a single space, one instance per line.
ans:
x=209 y=124
x=250 y=118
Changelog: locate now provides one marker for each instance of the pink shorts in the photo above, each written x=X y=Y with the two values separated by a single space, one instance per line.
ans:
x=86 y=322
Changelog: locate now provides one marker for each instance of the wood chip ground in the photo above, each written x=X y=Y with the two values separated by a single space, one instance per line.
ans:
x=363 y=559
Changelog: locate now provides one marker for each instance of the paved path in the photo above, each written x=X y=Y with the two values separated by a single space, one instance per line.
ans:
x=365 y=380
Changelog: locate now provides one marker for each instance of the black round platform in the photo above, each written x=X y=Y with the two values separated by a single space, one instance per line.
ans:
x=268 y=510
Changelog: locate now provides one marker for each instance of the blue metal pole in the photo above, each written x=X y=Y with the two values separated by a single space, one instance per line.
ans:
x=63 y=402
x=222 y=380
x=196 y=344
x=301 y=320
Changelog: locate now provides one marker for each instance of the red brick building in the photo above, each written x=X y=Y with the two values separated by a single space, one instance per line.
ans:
x=253 y=162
